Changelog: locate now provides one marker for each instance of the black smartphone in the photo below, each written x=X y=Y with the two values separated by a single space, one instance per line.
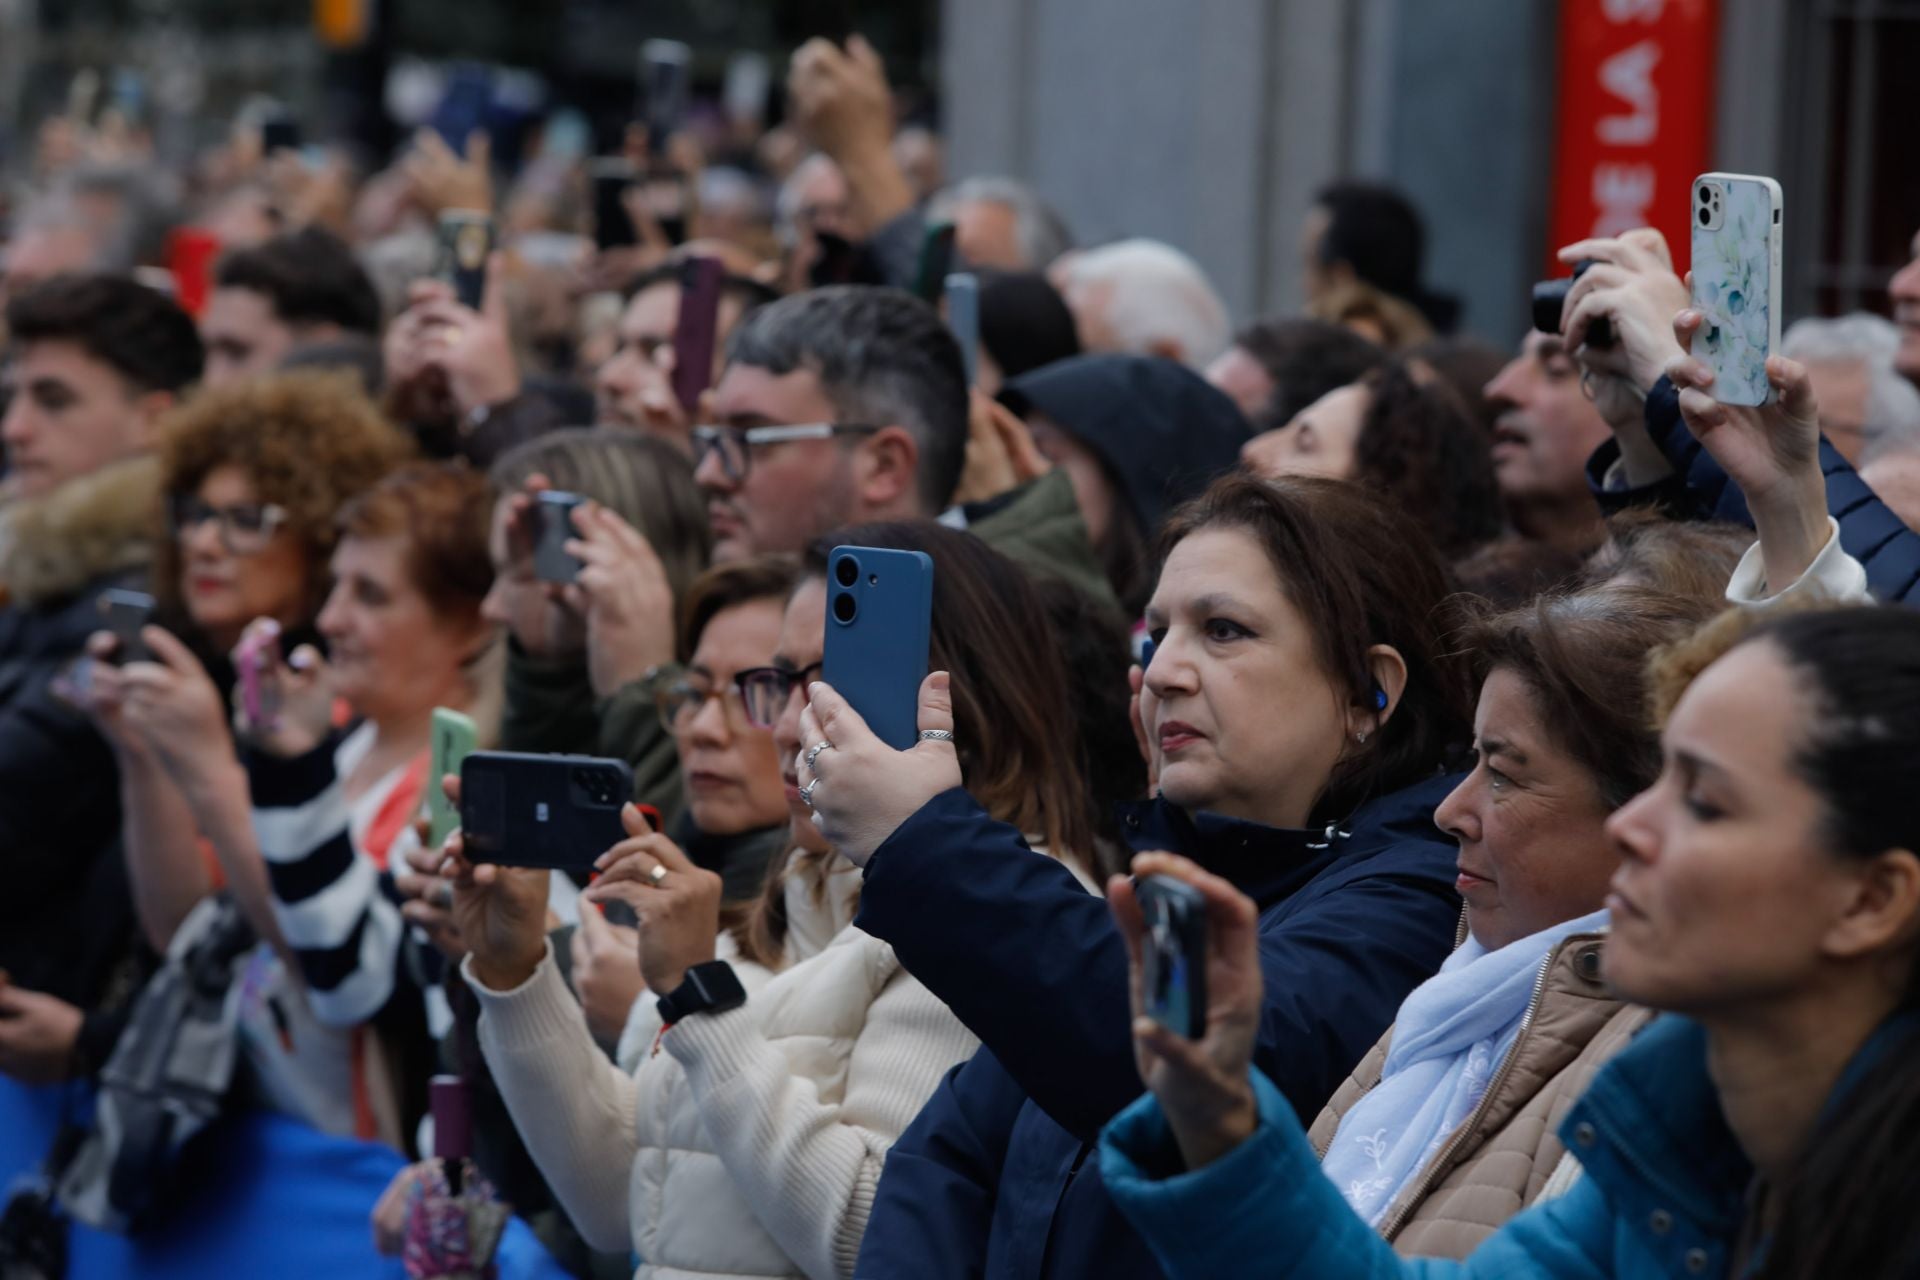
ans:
x=936 y=261
x=523 y=810
x=126 y=613
x=466 y=238
x=612 y=226
x=280 y=133
x=666 y=88
x=551 y=563
x=1173 y=954
x=697 y=330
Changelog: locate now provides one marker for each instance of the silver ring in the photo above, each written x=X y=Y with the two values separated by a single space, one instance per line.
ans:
x=657 y=874
x=806 y=792
x=936 y=735
x=813 y=753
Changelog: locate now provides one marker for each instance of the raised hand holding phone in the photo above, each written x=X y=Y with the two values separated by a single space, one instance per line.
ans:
x=860 y=788
x=282 y=708
x=1201 y=1082
x=678 y=903
x=499 y=912
x=623 y=592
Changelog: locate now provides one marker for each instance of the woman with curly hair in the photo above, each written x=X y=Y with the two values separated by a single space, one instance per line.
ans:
x=1404 y=434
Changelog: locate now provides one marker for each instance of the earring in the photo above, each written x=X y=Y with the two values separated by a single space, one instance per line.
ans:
x=1361 y=737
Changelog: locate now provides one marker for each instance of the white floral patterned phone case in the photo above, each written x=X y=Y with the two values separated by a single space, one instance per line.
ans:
x=1736 y=281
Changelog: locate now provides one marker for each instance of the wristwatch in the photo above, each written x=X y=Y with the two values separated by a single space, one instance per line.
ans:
x=707 y=988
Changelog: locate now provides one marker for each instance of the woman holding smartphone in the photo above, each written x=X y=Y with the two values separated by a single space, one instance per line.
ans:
x=1299 y=704
x=1767 y=897
x=762 y=1089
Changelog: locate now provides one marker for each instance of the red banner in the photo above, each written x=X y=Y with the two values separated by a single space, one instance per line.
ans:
x=1635 y=117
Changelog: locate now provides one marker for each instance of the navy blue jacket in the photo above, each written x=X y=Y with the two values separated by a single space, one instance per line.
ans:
x=994 y=1177
x=1699 y=490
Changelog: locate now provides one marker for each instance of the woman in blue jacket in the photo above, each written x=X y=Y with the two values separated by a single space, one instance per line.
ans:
x=1298 y=706
x=1768 y=894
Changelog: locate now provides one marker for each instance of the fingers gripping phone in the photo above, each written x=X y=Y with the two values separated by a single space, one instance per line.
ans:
x=523 y=810
x=1173 y=954
x=551 y=562
x=258 y=656
x=454 y=739
x=1736 y=282
x=879 y=626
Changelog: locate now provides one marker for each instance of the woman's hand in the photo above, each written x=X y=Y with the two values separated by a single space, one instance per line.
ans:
x=859 y=788
x=606 y=971
x=390 y=1212
x=500 y=912
x=429 y=896
x=1202 y=1084
x=296 y=696
x=1001 y=454
x=1771 y=451
x=678 y=903
x=174 y=707
x=37 y=1035
x=623 y=592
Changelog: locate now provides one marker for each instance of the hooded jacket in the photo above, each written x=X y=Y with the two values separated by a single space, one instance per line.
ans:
x=66 y=919
x=1161 y=430
x=993 y=1177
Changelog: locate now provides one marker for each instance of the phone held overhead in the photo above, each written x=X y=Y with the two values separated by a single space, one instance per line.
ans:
x=1736 y=282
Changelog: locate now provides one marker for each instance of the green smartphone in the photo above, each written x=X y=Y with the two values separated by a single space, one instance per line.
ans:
x=454 y=739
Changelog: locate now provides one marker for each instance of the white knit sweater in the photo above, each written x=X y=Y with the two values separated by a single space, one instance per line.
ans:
x=751 y=1145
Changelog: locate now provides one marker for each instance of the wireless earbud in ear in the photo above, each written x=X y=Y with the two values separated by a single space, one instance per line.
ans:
x=1379 y=698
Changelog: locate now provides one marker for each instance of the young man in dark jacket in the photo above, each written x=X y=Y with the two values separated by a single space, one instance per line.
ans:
x=98 y=360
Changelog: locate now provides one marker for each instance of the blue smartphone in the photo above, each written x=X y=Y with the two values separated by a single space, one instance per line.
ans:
x=963 y=317
x=879 y=619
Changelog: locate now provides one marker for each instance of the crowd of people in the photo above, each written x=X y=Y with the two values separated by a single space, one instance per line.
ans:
x=1528 y=722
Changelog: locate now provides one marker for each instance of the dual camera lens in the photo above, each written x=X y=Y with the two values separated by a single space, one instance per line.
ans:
x=846 y=572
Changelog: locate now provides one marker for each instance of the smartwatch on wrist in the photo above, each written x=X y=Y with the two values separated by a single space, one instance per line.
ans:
x=707 y=988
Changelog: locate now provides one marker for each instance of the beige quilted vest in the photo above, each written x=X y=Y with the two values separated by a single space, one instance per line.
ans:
x=1497 y=1162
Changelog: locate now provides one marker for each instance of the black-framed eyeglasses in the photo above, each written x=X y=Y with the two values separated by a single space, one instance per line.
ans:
x=245 y=527
x=765 y=691
x=735 y=445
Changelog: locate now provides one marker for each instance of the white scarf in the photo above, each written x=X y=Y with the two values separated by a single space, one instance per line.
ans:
x=1451 y=1036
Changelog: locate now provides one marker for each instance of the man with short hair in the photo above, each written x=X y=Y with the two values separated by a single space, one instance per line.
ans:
x=1276 y=368
x=1546 y=430
x=1369 y=233
x=97 y=361
x=1143 y=298
x=297 y=290
x=850 y=404
x=634 y=386
x=1001 y=224
x=836 y=406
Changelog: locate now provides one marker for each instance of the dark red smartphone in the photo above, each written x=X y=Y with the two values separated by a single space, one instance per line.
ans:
x=696 y=333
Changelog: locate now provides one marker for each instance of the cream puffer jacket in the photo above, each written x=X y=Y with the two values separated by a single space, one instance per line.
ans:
x=747 y=1144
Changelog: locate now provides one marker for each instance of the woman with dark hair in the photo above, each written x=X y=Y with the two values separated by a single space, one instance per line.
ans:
x=1024 y=324
x=747 y=1132
x=1408 y=438
x=1767 y=897
x=1299 y=703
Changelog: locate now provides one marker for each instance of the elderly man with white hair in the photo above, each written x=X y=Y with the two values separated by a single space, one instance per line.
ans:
x=1000 y=223
x=1866 y=407
x=1141 y=297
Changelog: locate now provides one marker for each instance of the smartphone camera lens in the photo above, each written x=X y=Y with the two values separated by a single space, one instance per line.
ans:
x=843 y=606
x=847 y=572
x=1706 y=216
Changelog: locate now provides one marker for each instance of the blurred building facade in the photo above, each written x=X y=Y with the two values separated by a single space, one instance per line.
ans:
x=1211 y=123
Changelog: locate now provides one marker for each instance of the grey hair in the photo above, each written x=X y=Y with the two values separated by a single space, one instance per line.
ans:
x=1159 y=296
x=1040 y=232
x=883 y=358
x=133 y=233
x=787 y=203
x=1892 y=422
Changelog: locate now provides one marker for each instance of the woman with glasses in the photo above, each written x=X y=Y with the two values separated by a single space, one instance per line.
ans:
x=764 y=1087
x=720 y=710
